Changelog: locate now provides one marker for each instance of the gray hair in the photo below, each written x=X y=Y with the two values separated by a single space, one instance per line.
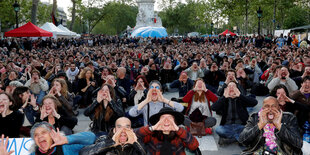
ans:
x=157 y=82
x=43 y=124
x=15 y=84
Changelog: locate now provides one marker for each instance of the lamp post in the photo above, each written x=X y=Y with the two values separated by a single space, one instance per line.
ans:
x=16 y=7
x=259 y=15
x=212 y=27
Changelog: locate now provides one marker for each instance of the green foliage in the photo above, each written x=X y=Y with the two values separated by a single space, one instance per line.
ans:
x=7 y=13
x=297 y=17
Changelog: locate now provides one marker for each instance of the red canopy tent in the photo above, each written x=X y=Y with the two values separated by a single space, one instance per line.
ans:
x=227 y=32
x=28 y=30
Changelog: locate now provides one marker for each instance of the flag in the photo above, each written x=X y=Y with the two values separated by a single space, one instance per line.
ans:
x=154 y=20
x=54 y=19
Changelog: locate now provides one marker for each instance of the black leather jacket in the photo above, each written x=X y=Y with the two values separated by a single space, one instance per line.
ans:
x=288 y=139
x=99 y=124
x=104 y=145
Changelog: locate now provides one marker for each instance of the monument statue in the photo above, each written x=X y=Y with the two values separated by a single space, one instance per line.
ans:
x=147 y=16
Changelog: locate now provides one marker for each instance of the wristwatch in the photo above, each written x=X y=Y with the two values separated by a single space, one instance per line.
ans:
x=151 y=129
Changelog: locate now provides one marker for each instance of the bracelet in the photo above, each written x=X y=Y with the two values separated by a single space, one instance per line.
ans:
x=36 y=108
x=151 y=129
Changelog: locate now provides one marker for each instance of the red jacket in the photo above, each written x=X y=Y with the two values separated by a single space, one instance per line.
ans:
x=188 y=98
x=183 y=140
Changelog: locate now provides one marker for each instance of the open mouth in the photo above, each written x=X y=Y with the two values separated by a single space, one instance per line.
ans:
x=270 y=116
x=154 y=93
x=43 y=144
x=283 y=74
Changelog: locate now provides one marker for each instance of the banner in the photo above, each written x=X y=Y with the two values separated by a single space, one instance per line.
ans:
x=20 y=146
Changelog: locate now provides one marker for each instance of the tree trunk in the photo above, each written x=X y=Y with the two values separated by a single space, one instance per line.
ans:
x=54 y=9
x=246 y=16
x=73 y=14
x=34 y=10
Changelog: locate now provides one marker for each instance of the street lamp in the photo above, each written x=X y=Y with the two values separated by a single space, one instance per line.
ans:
x=211 y=27
x=259 y=15
x=16 y=9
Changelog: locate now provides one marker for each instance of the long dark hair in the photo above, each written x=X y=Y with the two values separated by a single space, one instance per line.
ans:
x=18 y=101
x=274 y=90
x=99 y=109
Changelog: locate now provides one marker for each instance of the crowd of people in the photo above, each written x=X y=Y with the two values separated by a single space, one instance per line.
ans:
x=120 y=82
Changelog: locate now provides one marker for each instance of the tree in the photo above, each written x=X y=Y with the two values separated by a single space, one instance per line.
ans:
x=296 y=18
x=54 y=10
x=34 y=9
x=115 y=18
x=73 y=14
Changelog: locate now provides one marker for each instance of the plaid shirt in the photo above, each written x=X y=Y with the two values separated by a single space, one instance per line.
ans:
x=183 y=140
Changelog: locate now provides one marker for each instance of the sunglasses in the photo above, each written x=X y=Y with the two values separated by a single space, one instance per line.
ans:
x=157 y=87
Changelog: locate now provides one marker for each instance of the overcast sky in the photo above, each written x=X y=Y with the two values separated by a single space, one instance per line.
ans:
x=66 y=4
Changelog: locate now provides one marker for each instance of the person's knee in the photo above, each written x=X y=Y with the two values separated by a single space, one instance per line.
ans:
x=220 y=130
x=210 y=122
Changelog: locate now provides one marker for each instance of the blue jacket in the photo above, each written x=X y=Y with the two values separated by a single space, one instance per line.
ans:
x=76 y=142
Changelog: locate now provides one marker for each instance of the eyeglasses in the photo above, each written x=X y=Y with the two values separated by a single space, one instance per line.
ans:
x=157 y=87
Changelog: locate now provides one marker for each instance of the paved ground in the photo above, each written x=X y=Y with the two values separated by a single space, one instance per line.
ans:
x=208 y=144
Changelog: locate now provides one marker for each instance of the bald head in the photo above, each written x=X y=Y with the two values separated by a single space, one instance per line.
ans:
x=121 y=72
x=270 y=99
x=271 y=103
x=122 y=122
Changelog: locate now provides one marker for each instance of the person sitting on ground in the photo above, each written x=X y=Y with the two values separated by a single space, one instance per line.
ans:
x=271 y=131
x=54 y=113
x=233 y=107
x=104 y=110
x=213 y=77
x=184 y=84
x=302 y=96
x=138 y=94
x=37 y=85
x=194 y=71
x=47 y=141
x=199 y=107
x=287 y=104
x=120 y=140
x=60 y=91
x=26 y=103
x=10 y=120
x=153 y=103
x=283 y=78
x=164 y=136
x=230 y=77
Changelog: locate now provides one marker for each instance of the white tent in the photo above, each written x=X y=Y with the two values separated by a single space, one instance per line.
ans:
x=73 y=34
x=55 y=30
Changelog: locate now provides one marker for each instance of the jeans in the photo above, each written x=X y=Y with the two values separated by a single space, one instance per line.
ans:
x=40 y=97
x=30 y=114
x=231 y=131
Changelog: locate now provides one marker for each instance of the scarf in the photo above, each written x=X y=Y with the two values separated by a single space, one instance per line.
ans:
x=54 y=151
x=72 y=74
x=270 y=138
x=138 y=96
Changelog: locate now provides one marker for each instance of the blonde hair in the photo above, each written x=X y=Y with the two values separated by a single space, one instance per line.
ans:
x=64 y=86
x=84 y=71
